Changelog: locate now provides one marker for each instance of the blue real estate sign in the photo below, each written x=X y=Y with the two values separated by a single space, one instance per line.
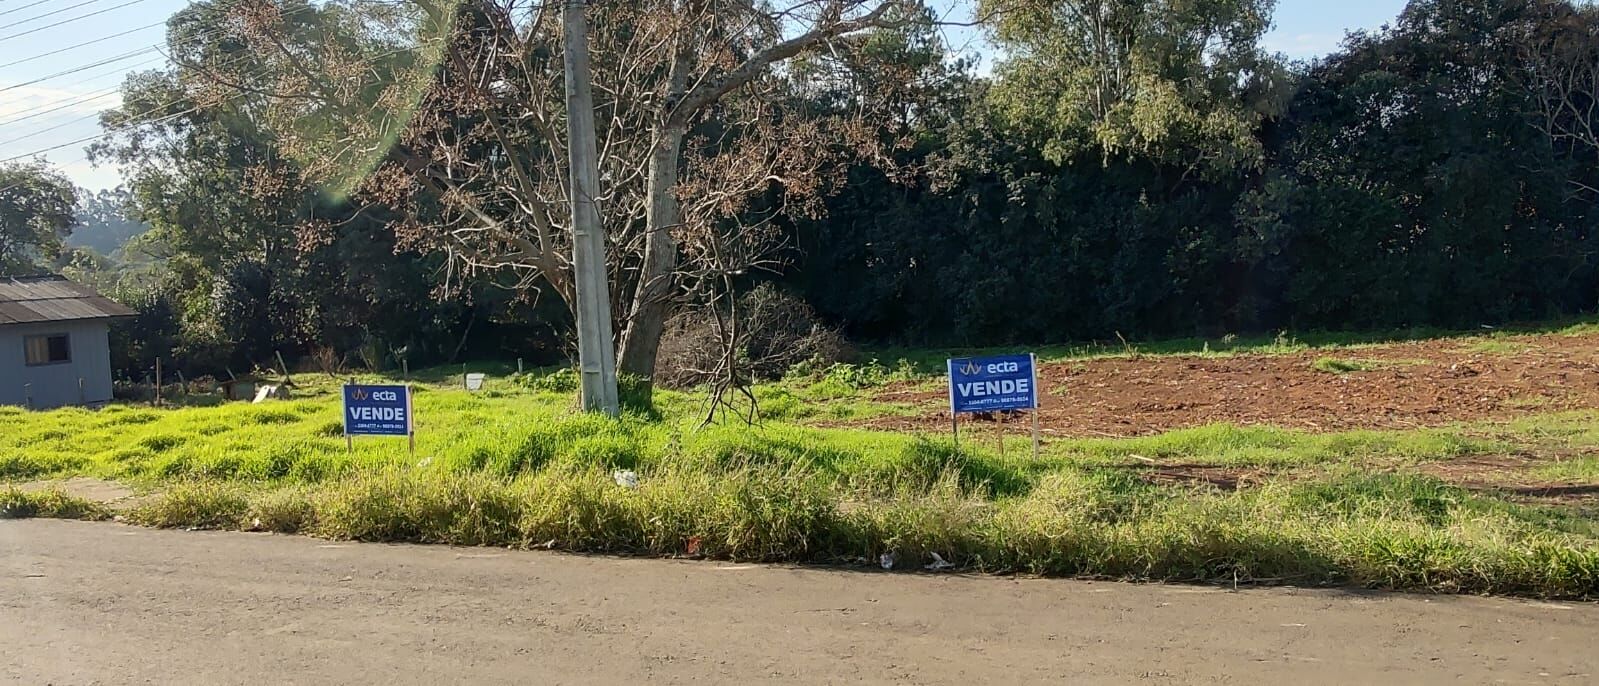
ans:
x=374 y=410
x=986 y=384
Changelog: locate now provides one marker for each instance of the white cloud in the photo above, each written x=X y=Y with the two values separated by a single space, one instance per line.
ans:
x=1304 y=45
x=85 y=174
x=56 y=117
x=25 y=100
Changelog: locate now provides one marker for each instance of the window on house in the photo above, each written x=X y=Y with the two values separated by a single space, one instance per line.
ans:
x=51 y=349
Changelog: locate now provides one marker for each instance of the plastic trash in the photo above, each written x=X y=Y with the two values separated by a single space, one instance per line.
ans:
x=626 y=478
x=938 y=563
x=887 y=560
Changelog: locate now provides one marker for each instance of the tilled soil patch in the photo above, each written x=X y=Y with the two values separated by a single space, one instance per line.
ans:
x=1400 y=386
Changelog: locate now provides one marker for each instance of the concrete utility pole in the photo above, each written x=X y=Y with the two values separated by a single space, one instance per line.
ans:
x=596 y=351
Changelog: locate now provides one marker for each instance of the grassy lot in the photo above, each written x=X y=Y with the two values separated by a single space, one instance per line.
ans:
x=517 y=466
x=930 y=361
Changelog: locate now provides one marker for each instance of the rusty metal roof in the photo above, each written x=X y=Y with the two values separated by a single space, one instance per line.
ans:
x=52 y=298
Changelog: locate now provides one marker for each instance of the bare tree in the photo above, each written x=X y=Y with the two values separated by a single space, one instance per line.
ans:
x=696 y=111
x=1561 y=54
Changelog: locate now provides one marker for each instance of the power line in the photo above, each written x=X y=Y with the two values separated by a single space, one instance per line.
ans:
x=98 y=63
x=237 y=60
x=64 y=124
x=60 y=104
x=51 y=13
x=120 y=71
x=58 y=51
x=35 y=3
x=69 y=21
x=135 y=119
x=127 y=55
x=79 y=101
x=86 y=139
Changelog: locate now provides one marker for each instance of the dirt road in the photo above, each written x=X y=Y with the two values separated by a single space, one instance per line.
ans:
x=88 y=603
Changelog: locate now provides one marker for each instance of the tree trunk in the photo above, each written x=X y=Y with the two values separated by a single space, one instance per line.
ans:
x=646 y=318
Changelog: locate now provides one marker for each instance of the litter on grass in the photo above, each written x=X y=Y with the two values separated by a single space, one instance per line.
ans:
x=626 y=478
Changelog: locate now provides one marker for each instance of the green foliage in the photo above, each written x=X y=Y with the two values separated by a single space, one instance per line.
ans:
x=1387 y=136
x=19 y=504
x=563 y=380
x=1228 y=445
x=1145 y=169
x=106 y=225
x=1390 y=191
x=37 y=206
x=1335 y=365
x=856 y=377
x=849 y=377
x=1386 y=531
x=1182 y=83
x=521 y=468
x=205 y=505
x=1491 y=346
x=232 y=278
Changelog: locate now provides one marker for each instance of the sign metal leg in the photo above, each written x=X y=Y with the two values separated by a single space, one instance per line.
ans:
x=1035 y=434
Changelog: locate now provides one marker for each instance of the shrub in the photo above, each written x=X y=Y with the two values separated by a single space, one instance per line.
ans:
x=562 y=380
x=201 y=505
x=779 y=332
x=19 y=504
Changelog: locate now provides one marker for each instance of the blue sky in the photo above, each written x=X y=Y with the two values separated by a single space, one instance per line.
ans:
x=61 y=110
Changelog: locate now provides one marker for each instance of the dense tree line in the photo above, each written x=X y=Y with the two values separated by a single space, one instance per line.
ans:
x=1440 y=171
x=1133 y=167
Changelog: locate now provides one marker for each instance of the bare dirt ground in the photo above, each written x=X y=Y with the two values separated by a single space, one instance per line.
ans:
x=1409 y=385
x=85 y=603
x=113 y=495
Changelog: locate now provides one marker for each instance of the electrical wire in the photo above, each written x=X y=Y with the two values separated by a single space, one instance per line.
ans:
x=93 y=115
x=86 y=99
x=69 y=21
x=135 y=120
x=35 y=3
x=58 y=51
x=117 y=72
x=51 y=13
x=98 y=63
x=127 y=55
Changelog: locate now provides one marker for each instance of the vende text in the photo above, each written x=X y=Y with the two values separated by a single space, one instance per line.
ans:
x=381 y=414
x=977 y=389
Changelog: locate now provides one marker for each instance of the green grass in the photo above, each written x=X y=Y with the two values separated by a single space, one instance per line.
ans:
x=18 y=504
x=1387 y=531
x=1583 y=469
x=1496 y=346
x=926 y=362
x=1334 y=365
x=1226 y=445
x=517 y=466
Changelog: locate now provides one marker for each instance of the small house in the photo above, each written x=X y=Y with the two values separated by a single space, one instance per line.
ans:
x=54 y=347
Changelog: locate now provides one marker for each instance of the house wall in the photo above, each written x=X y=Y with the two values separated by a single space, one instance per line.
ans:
x=57 y=384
